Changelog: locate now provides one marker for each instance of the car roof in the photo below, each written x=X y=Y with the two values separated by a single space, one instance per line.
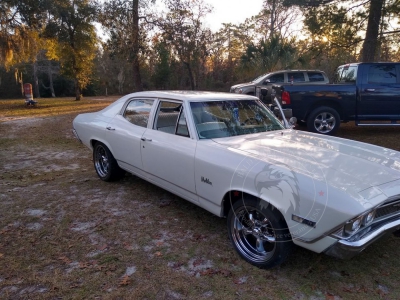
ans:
x=191 y=96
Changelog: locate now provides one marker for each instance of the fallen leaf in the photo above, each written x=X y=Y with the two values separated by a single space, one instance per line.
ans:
x=1 y=255
x=225 y=273
x=329 y=296
x=103 y=247
x=125 y=280
x=158 y=253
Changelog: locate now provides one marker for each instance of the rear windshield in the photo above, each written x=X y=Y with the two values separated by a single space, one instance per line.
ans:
x=346 y=74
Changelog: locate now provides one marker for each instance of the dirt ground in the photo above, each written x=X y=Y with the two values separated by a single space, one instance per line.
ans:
x=65 y=234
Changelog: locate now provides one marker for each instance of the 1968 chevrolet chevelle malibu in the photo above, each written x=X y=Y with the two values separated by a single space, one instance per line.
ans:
x=230 y=155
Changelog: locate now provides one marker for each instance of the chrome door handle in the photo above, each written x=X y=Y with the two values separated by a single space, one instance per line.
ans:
x=110 y=128
x=145 y=139
x=370 y=90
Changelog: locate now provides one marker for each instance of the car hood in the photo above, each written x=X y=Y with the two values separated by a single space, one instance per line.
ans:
x=242 y=85
x=344 y=164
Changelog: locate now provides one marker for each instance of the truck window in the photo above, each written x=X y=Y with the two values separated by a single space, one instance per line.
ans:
x=276 y=78
x=315 y=76
x=382 y=74
x=346 y=74
x=296 y=77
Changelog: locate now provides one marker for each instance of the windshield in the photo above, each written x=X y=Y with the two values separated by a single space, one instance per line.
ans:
x=259 y=77
x=346 y=74
x=216 y=119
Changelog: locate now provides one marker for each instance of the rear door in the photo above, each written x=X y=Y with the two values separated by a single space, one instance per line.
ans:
x=125 y=131
x=379 y=93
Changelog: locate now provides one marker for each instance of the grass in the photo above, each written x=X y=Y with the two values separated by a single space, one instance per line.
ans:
x=66 y=234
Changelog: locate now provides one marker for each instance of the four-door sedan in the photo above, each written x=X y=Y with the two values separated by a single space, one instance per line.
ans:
x=229 y=154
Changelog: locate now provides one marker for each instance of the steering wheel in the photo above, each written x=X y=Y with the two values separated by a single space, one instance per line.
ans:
x=251 y=121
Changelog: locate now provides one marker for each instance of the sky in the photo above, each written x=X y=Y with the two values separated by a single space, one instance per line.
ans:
x=231 y=11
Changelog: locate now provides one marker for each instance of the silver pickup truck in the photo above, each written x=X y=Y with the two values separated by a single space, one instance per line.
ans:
x=295 y=77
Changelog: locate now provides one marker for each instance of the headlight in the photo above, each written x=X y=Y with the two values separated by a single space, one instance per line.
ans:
x=238 y=91
x=369 y=217
x=352 y=226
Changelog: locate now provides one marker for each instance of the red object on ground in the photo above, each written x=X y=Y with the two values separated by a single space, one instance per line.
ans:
x=28 y=91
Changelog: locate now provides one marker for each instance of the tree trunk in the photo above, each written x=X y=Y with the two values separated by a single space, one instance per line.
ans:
x=36 y=80
x=50 y=74
x=191 y=77
x=272 y=26
x=371 y=36
x=137 y=79
x=77 y=91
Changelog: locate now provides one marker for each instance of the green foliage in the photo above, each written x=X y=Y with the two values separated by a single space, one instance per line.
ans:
x=72 y=26
x=270 y=55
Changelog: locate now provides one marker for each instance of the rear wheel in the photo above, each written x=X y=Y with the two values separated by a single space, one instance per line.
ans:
x=259 y=233
x=105 y=164
x=324 y=120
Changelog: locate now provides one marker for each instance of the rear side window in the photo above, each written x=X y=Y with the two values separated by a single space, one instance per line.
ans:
x=296 y=77
x=138 y=111
x=382 y=74
x=315 y=76
x=346 y=74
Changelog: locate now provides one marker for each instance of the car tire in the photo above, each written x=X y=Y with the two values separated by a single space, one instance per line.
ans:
x=324 y=120
x=105 y=164
x=259 y=233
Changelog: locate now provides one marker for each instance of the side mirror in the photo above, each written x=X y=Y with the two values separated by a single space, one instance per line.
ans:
x=267 y=81
x=293 y=121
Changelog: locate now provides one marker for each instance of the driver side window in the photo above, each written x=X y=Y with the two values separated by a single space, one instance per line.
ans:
x=277 y=78
x=171 y=119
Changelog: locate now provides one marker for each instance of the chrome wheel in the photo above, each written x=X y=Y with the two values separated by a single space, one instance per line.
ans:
x=253 y=235
x=101 y=161
x=259 y=233
x=324 y=122
x=105 y=164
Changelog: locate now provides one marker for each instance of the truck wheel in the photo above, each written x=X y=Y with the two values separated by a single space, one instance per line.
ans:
x=324 y=120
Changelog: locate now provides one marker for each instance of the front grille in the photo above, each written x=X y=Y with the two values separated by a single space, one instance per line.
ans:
x=388 y=209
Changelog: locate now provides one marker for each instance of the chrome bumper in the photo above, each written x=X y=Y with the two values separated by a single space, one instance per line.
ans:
x=76 y=135
x=346 y=249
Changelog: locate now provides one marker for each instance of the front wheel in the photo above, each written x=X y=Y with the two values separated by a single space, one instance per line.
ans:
x=259 y=233
x=324 y=120
x=105 y=164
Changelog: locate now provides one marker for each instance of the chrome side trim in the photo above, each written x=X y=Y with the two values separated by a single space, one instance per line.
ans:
x=76 y=135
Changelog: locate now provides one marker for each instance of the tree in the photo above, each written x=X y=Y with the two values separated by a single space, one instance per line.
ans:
x=277 y=19
x=19 y=20
x=125 y=21
x=71 y=24
x=182 y=27
x=371 y=37
x=374 y=11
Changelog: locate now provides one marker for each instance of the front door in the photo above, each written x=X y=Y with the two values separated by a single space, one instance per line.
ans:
x=380 y=94
x=168 y=151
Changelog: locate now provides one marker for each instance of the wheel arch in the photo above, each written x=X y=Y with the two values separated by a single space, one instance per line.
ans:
x=233 y=196
x=332 y=104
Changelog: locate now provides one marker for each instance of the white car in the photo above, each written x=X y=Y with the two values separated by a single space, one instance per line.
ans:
x=230 y=155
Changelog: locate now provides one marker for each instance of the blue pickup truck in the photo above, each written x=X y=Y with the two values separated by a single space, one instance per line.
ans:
x=367 y=93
